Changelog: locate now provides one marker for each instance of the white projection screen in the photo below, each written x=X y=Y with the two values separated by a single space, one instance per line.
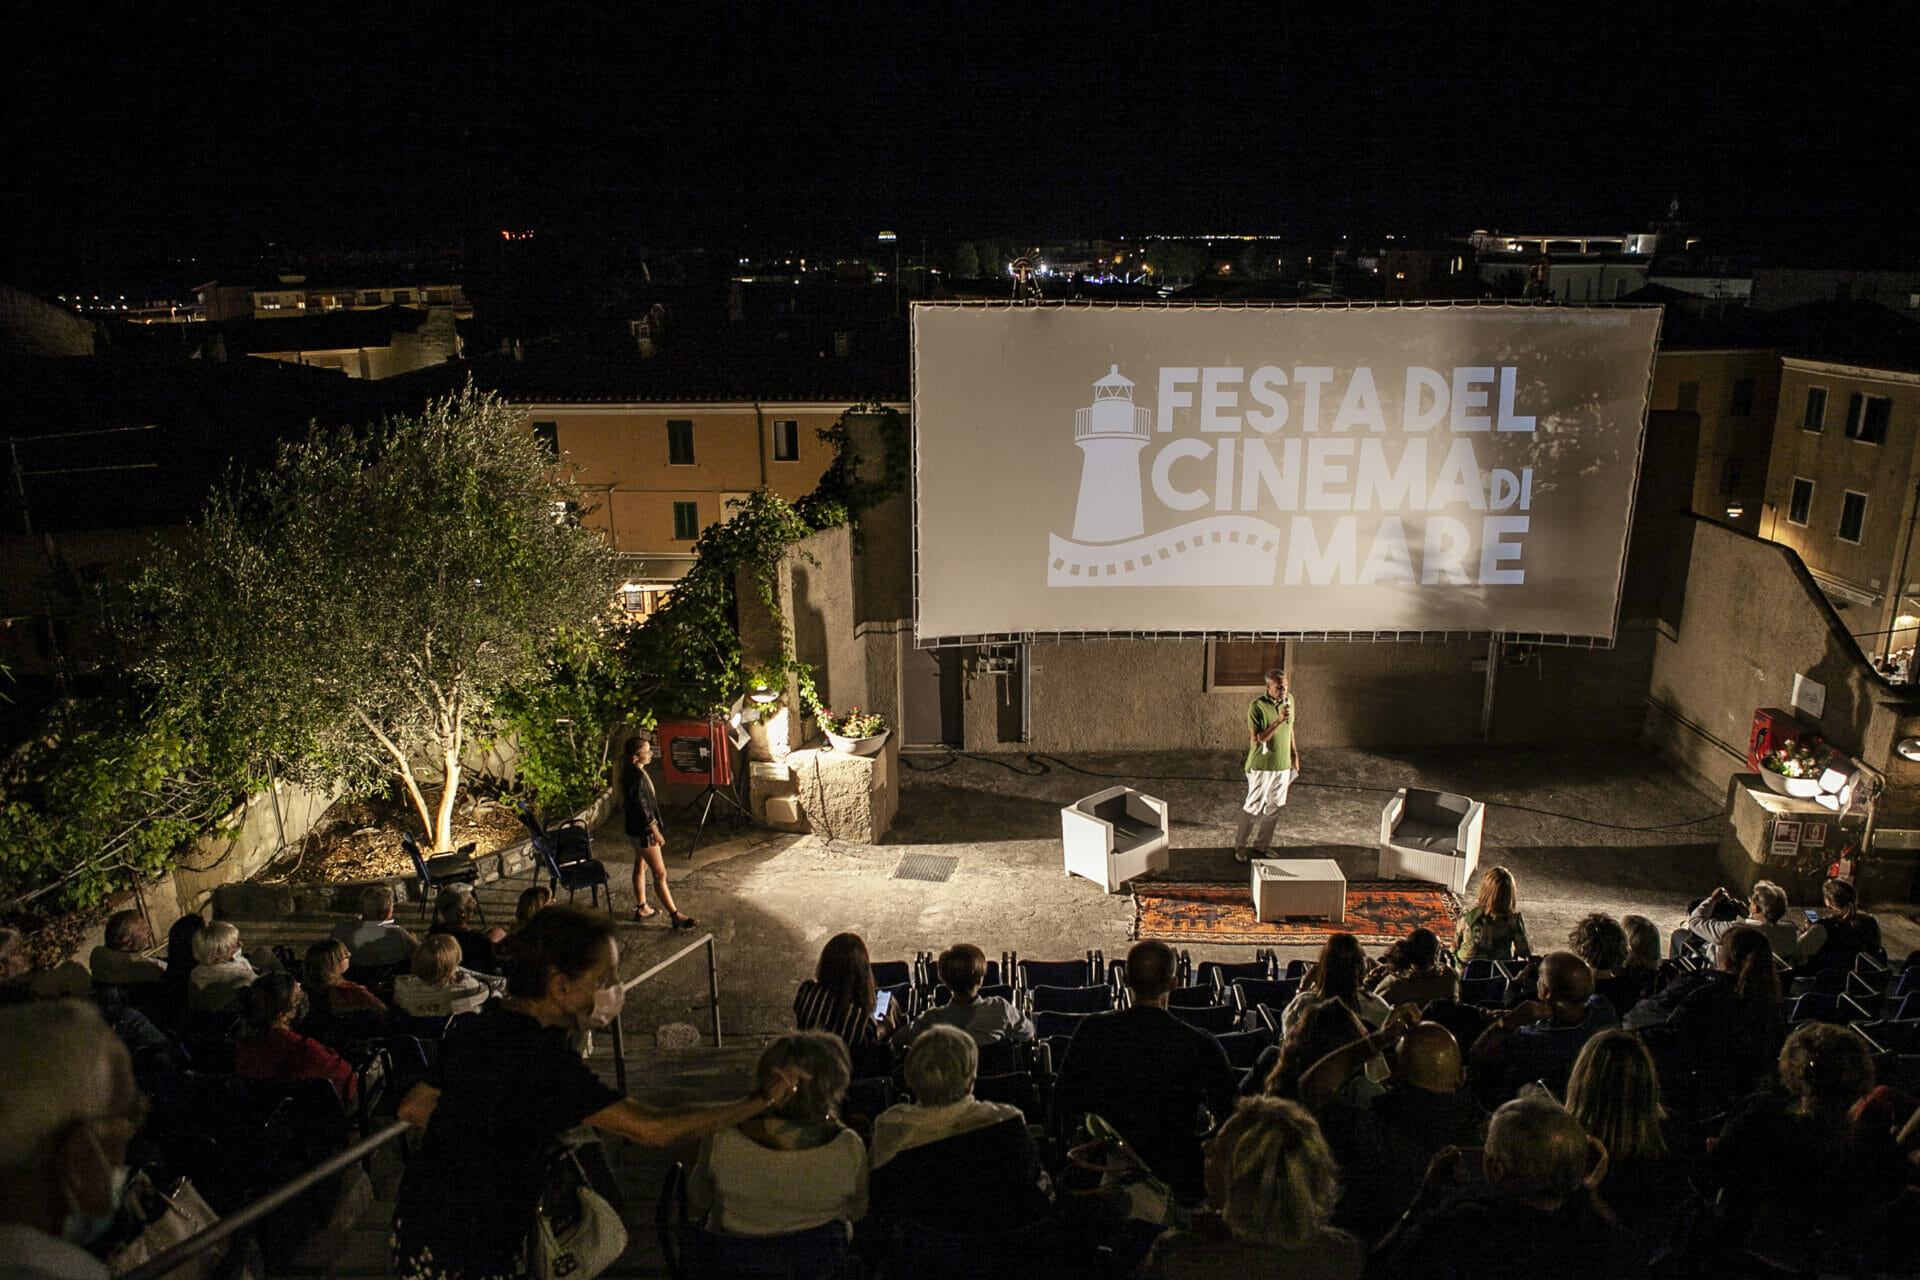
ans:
x=1275 y=470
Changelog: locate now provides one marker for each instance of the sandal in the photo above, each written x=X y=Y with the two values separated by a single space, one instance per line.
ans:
x=644 y=912
x=683 y=921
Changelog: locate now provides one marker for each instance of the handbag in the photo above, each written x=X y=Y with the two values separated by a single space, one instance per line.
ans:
x=167 y=1218
x=577 y=1234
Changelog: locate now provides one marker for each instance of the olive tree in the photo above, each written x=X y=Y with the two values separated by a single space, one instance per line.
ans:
x=353 y=614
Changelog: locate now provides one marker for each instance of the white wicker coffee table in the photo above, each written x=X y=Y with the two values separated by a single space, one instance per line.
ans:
x=1299 y=887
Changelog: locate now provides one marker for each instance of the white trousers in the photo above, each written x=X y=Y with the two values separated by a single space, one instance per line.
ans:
x=1267 y=790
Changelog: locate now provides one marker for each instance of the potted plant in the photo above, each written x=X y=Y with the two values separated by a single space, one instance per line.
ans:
x=859 y=733
x=1794 y=769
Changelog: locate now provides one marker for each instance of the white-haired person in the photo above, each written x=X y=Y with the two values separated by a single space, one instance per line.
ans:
x=438 y=987
x=68 y=1109
x=221 y=971
x=1533 y=1212
x=793 y=1168
x=376 y=940
x=948 y=1160
x=1271 y=1185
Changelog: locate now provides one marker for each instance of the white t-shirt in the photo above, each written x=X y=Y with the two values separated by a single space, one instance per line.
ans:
x=757 y=1191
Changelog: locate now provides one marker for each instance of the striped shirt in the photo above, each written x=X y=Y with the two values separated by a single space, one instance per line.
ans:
x=817 y=1009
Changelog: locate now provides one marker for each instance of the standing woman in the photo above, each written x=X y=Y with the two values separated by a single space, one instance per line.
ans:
x=642 y=810
x=510 y=1083
x=1493 y=928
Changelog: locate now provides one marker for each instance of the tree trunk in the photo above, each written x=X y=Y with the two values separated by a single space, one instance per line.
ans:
x=443 y=827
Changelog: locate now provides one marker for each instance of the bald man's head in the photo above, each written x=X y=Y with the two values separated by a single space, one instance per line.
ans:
x=1566 y=981
x=1429 y=1058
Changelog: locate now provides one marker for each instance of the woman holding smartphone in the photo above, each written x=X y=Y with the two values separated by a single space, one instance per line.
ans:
x=841 y=997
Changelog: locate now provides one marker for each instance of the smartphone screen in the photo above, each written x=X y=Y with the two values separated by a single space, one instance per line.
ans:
x=1813 y=917
x=882 y=1001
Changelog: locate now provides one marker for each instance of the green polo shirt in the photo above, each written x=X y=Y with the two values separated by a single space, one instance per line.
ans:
x=1278 y=753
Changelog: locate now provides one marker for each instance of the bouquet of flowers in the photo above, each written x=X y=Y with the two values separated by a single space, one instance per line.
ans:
x=855 y=724
x=1796 y=760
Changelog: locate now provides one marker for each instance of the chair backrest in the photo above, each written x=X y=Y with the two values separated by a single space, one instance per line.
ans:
x=891 y=973
x=1441 y=808
x=1215 y=1019
x=1244 y=1047
x=1193 y=997
x=412 y=847
x=1047 y=1023
x=1220 y=973
x=1089 y=999
x=1248 y=992
x=1055 y=973
x=570 y=842
x=524 y=811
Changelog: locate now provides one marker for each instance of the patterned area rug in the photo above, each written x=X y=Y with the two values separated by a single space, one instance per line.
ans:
x=1378 y=911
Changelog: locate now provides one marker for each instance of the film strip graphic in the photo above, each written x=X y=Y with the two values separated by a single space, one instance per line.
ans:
x=1219 y=551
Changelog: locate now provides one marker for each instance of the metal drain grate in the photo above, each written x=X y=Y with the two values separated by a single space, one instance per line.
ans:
x=926 y=866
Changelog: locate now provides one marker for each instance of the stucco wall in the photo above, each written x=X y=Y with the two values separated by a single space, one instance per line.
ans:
x=1750 y=622
x=1124 y=694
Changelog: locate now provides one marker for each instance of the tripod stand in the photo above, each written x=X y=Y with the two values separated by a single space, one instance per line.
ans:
x=718 y=741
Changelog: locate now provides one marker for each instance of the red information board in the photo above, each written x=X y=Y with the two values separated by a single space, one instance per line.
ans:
x=695 y=751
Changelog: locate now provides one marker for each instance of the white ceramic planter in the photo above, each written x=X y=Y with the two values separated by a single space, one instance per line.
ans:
x=858 y=746
x=1798 y=788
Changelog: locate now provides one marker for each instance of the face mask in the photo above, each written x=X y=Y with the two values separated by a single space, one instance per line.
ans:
x=607 y=1002
x=83 y=1228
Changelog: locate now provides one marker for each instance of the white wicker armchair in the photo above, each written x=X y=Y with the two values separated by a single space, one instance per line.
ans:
x=1114 y=835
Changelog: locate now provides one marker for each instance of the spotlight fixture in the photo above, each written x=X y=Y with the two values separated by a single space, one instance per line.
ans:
x=1908 y=748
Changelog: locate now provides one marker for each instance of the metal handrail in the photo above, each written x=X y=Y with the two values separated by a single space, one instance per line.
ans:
x=194 y=1245
x=626 y=988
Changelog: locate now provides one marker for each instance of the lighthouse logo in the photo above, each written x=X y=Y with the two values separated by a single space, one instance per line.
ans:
x=1110 y=546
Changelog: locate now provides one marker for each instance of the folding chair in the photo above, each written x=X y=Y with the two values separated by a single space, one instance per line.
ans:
x=1244 y=1047
x=578 y=870
x=1220 y=974
x=1214 y=1019
x=1091 y=999
x=1279 y=992
x=443 y=869
x=1057 y=973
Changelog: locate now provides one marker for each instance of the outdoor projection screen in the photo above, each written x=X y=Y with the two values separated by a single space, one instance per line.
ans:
x=1281 y=470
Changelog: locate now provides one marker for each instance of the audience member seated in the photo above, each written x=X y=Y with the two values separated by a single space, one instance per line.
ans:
x=1411 y=972
x=1601 y=941
x=1148 y=1073
x=1533 y=1215
x=1614 y=1093
x=1643 y=947
x=68 y=1111
x=794 y=1167
x=1724 y=1022
x=1797 y=1181
x=1765 y=909
x=1272 y=1184
x=1493 y=928
x=122 y=960
x=327 y=986
x=375 y=941
x=1540 y=1038
x=453 y=912
x=438 y=987
x=270 y=1049
x=1849 y=931
x=963 y=967
x=1385 y=1141
x=532 y=902
x=839 y=997
x=220 y=972
x=180 y=961
x=1339 y=974
x=948 y=1161
x=1326 y=1027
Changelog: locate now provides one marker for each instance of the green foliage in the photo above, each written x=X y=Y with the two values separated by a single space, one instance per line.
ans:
x=562 y=721
x=110 y=787
x=358 y=610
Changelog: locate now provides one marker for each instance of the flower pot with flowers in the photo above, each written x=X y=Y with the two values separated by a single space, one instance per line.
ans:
x=859 y=733
x=1794 y=769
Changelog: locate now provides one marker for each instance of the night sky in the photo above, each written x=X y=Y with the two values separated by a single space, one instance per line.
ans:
x=150 y=128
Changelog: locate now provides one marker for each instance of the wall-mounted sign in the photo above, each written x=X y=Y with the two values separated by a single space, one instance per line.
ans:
x=1809 y=696
x=1786 y=840
x=1815 y=834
